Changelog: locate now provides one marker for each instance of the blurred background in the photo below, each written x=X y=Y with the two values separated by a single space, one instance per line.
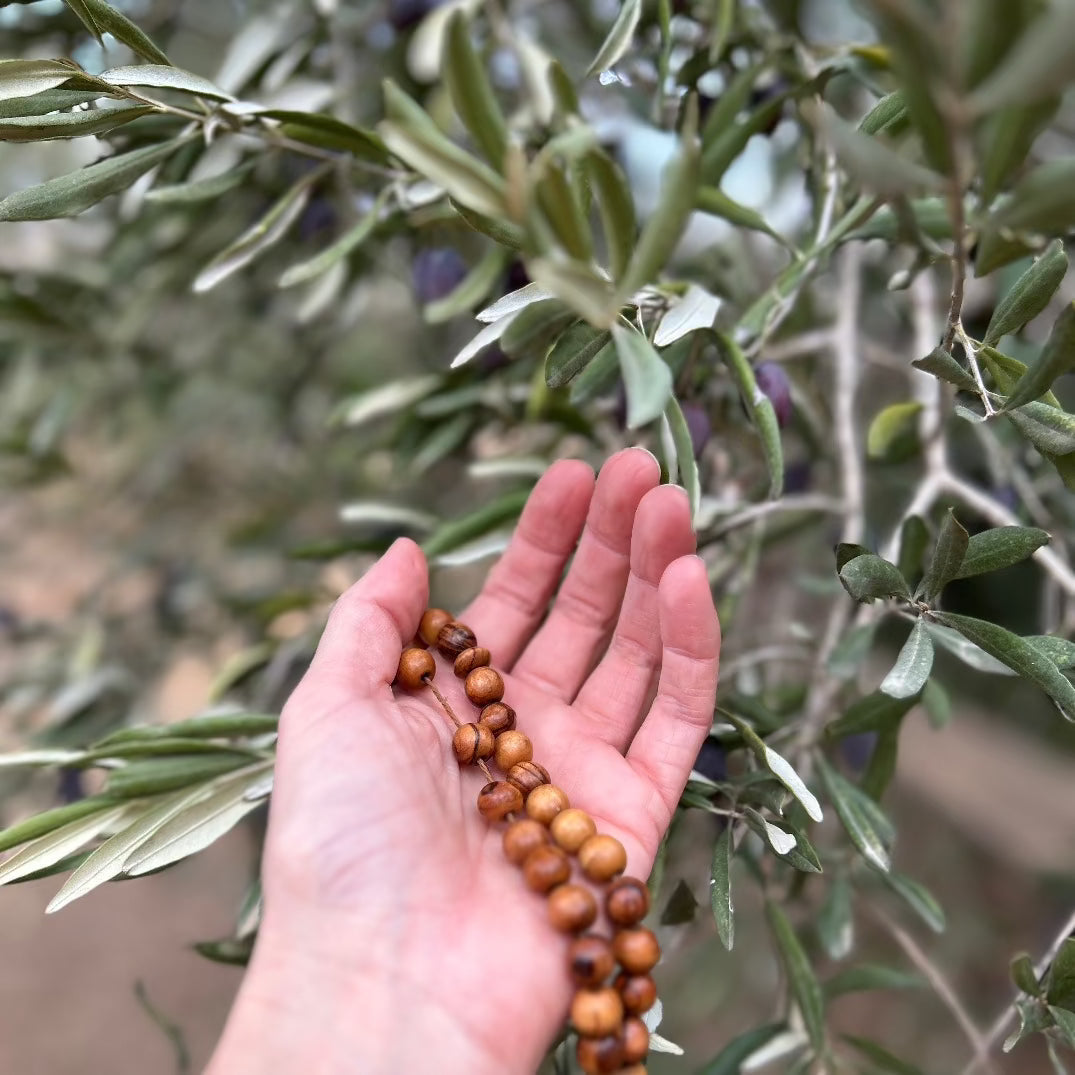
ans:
x=190 y=479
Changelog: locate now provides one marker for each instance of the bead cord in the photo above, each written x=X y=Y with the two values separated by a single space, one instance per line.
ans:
x=541 y=841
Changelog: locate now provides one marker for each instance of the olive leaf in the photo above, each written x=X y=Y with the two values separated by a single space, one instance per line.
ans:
x=572 y=353
x=1057 y=357
x=909 y=674
x=101 y=18
x=161 y=77
x=800 y=975
x=869 y=829
x=942 y=365
x=619 y=37
x=26 y=78
x=616 y=208
x=55 y=846
x=918 y=898
x=1000 y=547
x=721 y=888
x=868 y=576
x=696 y=309
x=947 y=559
x=69 y=124
x=646 y=376
x=1048 y=428
x=1029 y=295
x=471 y=91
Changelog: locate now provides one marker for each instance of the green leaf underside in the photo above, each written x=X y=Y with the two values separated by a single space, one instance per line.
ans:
x=800 y=975
x=646 y=376
x=867 y=577
x=868 y=828
x=721 y=888
x=913 y=665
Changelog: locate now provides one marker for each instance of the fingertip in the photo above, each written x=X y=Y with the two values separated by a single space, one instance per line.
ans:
x=688 y=615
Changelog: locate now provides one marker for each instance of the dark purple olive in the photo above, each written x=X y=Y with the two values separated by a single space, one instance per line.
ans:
x=856 y=749
x=318 y=218
x=698 y=425
x=71 y=788
x=773 y=381
x=1006 y=495
x=403 y=14
x=763 y=95
x=517 y=276
x=712 y=761
x=436 y=272
x=492 y=359
x=797 y=476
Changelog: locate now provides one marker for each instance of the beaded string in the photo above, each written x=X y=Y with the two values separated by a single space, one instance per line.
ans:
x=543 y=831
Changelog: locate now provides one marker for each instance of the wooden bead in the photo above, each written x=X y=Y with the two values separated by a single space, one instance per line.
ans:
x=546 y=867
x=602 y=857
x=453 y=638
x=598 y=1056
x=635 y=1040
x=636 y=950
x=572 y=908
x=414 y=665
x=638 y=992
x=528 y=775
x=469 y=659
x=597 y=1012
x=512 y=747
x=498 y=799
x=484 y=686
x=433 y=619
x=499 y=717
x=471 y=742
x=627 y=901
x=522 y=837
x=545 y=802
x=590 y=959
x=571 y=828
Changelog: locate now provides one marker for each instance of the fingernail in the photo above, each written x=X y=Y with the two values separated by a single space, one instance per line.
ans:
x=640 y=448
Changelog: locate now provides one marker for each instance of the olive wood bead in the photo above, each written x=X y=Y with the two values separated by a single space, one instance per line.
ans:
x=597 y=1012
x=453 y=638
x=627 y=901
x=415 y=665
x=545 y=802
x=512 y=747
x=635 y=1040
x=499 y=717
x=433 y=619
x=572 y=908
x=545 y=868
x=571 y=828
x=602 y=857
x=469 y=659
x=598 y=1056
x=590 y=959
x=471 y=742
x=484 y=686
x=528 y=775
x=638 y=992
x=498 y=799
x=522 y=837
x=636 y=950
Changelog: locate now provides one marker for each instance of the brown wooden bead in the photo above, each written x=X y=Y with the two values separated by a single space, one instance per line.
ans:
x=433 y=619
x=627 y=901
x=499 y=716
x=453 y=638
x=597 y=1012
x=602 y=857
x=414 y=665
x=638 y=991
x=598 y=1056
x=498 y=799
x=572 y=908
x=512 y=747
x=522 y=837
x=590 y=959
x=471 y=742
x=636 y=950
x=571 y=828
x=545 y=868
x=484 y=686
x=528 y=775
x=469 y=659
x=635 y=1040
x=545 y=802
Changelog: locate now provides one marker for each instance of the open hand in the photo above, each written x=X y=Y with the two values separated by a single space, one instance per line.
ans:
x=396 y=936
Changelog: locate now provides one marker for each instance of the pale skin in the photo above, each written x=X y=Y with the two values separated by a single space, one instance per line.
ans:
x=396 y=936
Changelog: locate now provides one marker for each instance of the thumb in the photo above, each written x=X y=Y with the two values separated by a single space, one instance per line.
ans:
x=372 y=621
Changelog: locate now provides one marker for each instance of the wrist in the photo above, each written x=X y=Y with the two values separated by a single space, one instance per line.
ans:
x=303 y=1008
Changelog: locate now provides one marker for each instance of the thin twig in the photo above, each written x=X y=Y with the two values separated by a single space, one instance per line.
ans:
x=941 y=986
x=752 y=512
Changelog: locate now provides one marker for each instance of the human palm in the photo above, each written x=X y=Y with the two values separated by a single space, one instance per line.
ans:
x=381 y=878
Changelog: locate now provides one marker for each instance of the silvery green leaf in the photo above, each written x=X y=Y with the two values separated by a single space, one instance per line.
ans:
x=160 y=77
x=513 y=302
x=55 y=846
x=26 y=759
x=1000 y=547
x=508 y=467
x=786 y=1044
x=385 y=399
x=720 y=893
x=1029 y=295
x=572 y=353
x=683 y=449
x=472 y=92
x=868 y=577
x=870 y=976
x=657 y=1044
x=617 y=209
x=874 y=713
x=731 y=1058
x=473 y=552
x=578 y=285
x=41 y=104
x=1057 y=358
x=918 y=898
x=70 y=194
x=471 y=290
x=200 y=190
x=1061 y=651
x=646 y=376
x=379 y=512
x=970 y=654
x=1049 y=429
x=860 y=817
x=947 y=558
x=488 y=336
x=888 y=111
x=835 y=922
x=24 y=78
x=457 y=532
x=941 y=364
x=800 y=975
x=1042 y=201
x=70 y=124
x=101 y=18
x=909 y=674
x=1018 y=654
x=199 y=822
x=619 y=37
x=783 y=771
x=697 y=309
x=258 y=238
